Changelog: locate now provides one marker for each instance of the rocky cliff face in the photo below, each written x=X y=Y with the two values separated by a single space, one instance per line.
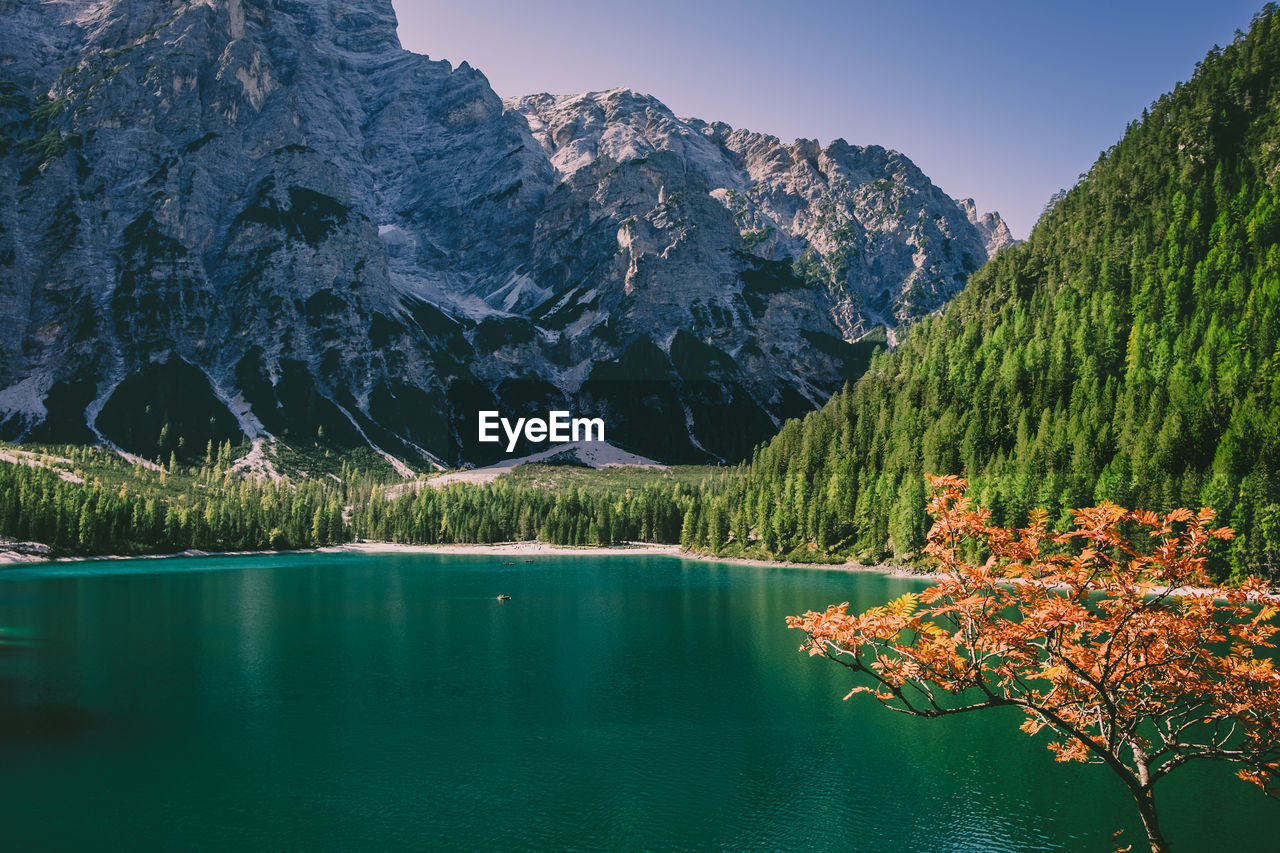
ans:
x=244 y=218
x=862 y=225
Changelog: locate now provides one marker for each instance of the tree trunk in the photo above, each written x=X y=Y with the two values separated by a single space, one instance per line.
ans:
x=1147 y=808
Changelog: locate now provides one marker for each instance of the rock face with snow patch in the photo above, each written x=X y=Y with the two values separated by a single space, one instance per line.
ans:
x=245 y=218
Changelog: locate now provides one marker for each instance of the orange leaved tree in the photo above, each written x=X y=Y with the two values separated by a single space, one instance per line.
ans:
x=1106 y=634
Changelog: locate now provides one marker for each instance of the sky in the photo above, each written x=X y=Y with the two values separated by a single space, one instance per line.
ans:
x=1002 y=102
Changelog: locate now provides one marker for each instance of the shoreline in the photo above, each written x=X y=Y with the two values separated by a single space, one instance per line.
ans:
x=496 y=549
x=16 y=560
x=500 y=549
x=887 y=569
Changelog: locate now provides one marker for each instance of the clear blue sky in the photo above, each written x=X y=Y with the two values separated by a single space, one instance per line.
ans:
x=1004 y=102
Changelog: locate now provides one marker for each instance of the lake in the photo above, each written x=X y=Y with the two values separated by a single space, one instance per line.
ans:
x=346 y=702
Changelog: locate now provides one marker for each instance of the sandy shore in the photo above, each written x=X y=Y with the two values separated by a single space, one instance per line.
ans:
x=501 y=549
x=527 y=549
x=524 y=549
x=506 y=549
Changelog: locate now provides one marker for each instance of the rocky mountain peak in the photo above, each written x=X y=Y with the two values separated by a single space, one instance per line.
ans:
x=995 y=233
x=227 y=220
x=620 y=124
x=847 y=218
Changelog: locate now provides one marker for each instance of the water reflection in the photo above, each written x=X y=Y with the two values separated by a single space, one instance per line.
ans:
x=337 y=702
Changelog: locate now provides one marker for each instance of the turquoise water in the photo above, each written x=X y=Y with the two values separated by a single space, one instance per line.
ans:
x=347 y=702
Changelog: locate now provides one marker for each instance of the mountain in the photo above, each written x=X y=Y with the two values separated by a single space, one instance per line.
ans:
x=265 y=220
x=1128 y=351
x=857 y=222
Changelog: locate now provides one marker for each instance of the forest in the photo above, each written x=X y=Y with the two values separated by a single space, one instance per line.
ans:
x=122 y=508
x=1126 y=352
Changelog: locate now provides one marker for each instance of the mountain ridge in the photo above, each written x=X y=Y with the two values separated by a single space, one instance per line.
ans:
x=250 y=220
